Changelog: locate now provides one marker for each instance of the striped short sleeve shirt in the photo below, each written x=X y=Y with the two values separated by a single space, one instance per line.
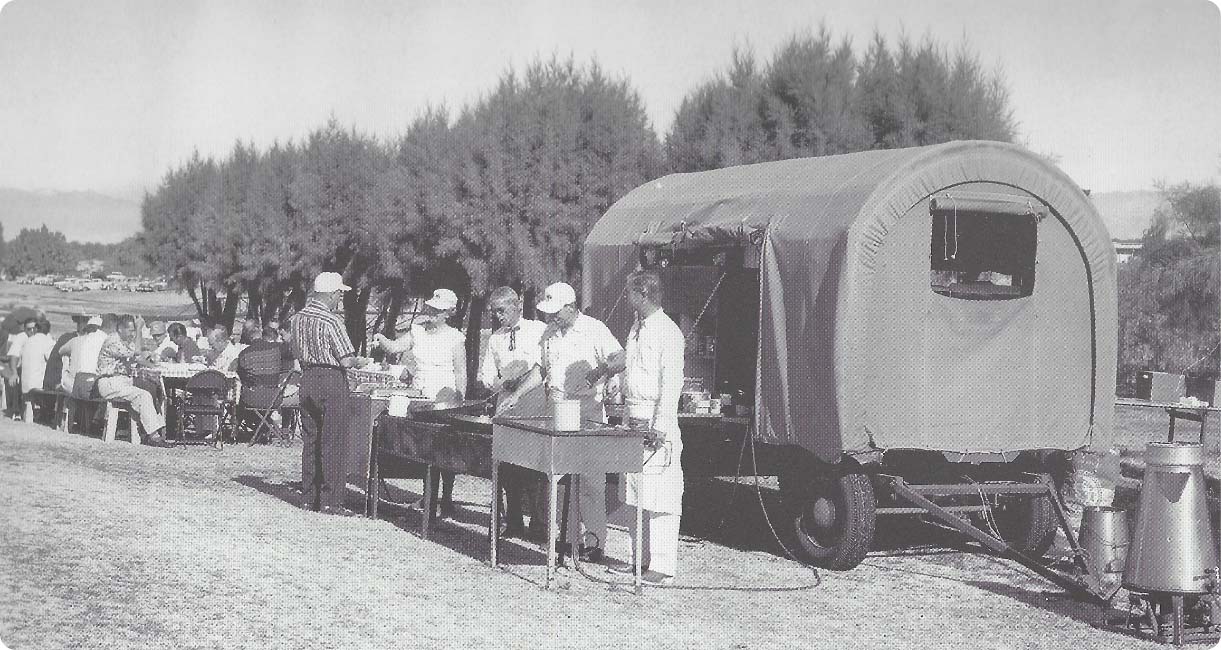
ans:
x=319 y=337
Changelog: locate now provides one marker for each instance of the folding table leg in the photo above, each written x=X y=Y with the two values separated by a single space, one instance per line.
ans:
x=427 y=500
x=494 y=528
x=552 y=486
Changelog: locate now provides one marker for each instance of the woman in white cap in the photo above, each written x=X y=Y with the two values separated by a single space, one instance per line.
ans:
x=439 y=353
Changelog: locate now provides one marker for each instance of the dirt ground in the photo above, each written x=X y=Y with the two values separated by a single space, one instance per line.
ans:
x=121 y=546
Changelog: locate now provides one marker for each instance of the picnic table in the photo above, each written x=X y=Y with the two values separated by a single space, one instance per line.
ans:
x=166 y=380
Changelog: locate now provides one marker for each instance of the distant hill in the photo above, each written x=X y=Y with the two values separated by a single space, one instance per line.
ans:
x=1126 y=214
x=81 y=216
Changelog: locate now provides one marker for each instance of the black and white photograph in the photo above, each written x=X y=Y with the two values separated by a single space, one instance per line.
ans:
x=673 y=324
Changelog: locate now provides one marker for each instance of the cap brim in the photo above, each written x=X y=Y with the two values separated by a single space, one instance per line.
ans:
x=437 y=304
x=548 y=307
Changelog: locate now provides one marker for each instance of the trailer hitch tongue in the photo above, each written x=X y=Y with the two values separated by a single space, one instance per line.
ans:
x=1072 y=585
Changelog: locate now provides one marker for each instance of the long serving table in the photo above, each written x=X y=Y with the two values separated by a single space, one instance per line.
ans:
x=532 y=443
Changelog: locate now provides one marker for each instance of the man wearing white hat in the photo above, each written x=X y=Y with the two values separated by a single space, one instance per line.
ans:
x=438 y=356
x=82 y=353
x=577 y=351
x=320 y=342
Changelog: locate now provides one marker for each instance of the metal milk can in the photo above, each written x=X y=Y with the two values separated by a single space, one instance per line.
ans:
x=1172 y=547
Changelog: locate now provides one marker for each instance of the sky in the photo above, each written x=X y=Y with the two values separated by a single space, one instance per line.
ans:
x=107 y=95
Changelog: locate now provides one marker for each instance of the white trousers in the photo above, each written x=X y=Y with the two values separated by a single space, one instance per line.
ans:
x=660 y=540
x=121 y=388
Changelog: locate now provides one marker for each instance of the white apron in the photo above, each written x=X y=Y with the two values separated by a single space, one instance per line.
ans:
x=662 y=479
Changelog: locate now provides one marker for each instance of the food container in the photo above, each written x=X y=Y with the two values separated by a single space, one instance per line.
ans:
x=566 y=415
x=397 y=406
x=714 y=405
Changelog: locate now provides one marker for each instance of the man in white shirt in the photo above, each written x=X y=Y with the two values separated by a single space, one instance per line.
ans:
x=34 y=355
x=82 y=352
x=513 y=351
x=223 y=355
x=576 y=352
x=652 y=384
x=163 y=346
x=12 y=365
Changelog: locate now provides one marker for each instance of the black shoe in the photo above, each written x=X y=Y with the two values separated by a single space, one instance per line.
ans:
x=591 y=554
x=447 y=510
x=513 y=530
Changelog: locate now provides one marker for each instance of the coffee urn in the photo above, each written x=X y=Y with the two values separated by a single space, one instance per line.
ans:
x=1172 y=546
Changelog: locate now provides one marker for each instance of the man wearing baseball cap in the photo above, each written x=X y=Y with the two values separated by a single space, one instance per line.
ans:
x=320 y=342
x=577 y=351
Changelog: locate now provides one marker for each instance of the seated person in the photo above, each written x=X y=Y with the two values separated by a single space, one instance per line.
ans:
x=261 y=366
x=187 y=351
x=223 y=353
x=119 y=354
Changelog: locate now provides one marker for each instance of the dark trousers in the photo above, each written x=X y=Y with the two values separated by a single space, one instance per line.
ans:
x=327 y=410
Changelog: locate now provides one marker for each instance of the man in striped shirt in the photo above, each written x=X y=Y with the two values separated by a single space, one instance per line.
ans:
x=321 y=344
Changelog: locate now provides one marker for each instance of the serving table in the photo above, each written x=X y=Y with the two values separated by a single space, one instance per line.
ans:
x=532 y=443
x=458 y=443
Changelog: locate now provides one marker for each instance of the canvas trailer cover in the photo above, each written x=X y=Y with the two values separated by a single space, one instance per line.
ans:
x=873 y=331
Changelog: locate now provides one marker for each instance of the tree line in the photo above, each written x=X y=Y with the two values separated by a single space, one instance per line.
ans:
x=42 y=251
x=504 y=190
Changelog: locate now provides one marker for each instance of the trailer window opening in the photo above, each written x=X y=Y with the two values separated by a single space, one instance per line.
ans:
x=976 y=255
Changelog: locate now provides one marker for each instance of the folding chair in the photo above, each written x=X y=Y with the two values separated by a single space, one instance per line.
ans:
x=263 y=405
x=205 y=411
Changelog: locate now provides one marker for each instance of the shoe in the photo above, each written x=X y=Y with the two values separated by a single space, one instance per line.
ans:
x=156 y=440
x=416 y=506
x=591 y=554
x=618 y=566
x=513 y=530
x=536 y=532
x=657 y=579
x=447 y=510
x=339 y=511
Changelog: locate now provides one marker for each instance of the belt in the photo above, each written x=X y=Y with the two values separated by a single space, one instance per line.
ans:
x=320 y=366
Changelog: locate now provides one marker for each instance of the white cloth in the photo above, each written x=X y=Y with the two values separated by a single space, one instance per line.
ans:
x=654 y=378
x=566 y=358
x=659 y=540
x=224 y=361
x=512 y=351
x=34 y=355
x=84 y=351
x=121 y=388
x=15 y=342
x=166 y=344
x=434 y=352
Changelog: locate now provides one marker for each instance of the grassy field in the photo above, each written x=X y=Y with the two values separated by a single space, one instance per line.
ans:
x=122 y=546
x=170 y=305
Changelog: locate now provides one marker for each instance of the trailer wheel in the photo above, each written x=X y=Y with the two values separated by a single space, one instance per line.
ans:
x=1028 y=524
x=833 y=513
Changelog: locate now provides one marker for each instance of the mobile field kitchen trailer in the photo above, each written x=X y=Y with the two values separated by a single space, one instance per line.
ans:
x=908 y=331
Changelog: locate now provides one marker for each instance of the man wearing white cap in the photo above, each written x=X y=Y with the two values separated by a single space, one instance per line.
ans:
x=82 y=353
x=576 y=352
x=438 y=354
x=320 y=342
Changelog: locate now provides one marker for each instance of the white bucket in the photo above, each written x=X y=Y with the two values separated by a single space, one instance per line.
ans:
x=397 y=406
x=566 y=415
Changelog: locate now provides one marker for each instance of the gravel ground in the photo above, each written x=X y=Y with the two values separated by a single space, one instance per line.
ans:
x=121 y=546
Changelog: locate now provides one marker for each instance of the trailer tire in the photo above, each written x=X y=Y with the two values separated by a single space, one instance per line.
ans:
x=832 y=512
x=1028 y=524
